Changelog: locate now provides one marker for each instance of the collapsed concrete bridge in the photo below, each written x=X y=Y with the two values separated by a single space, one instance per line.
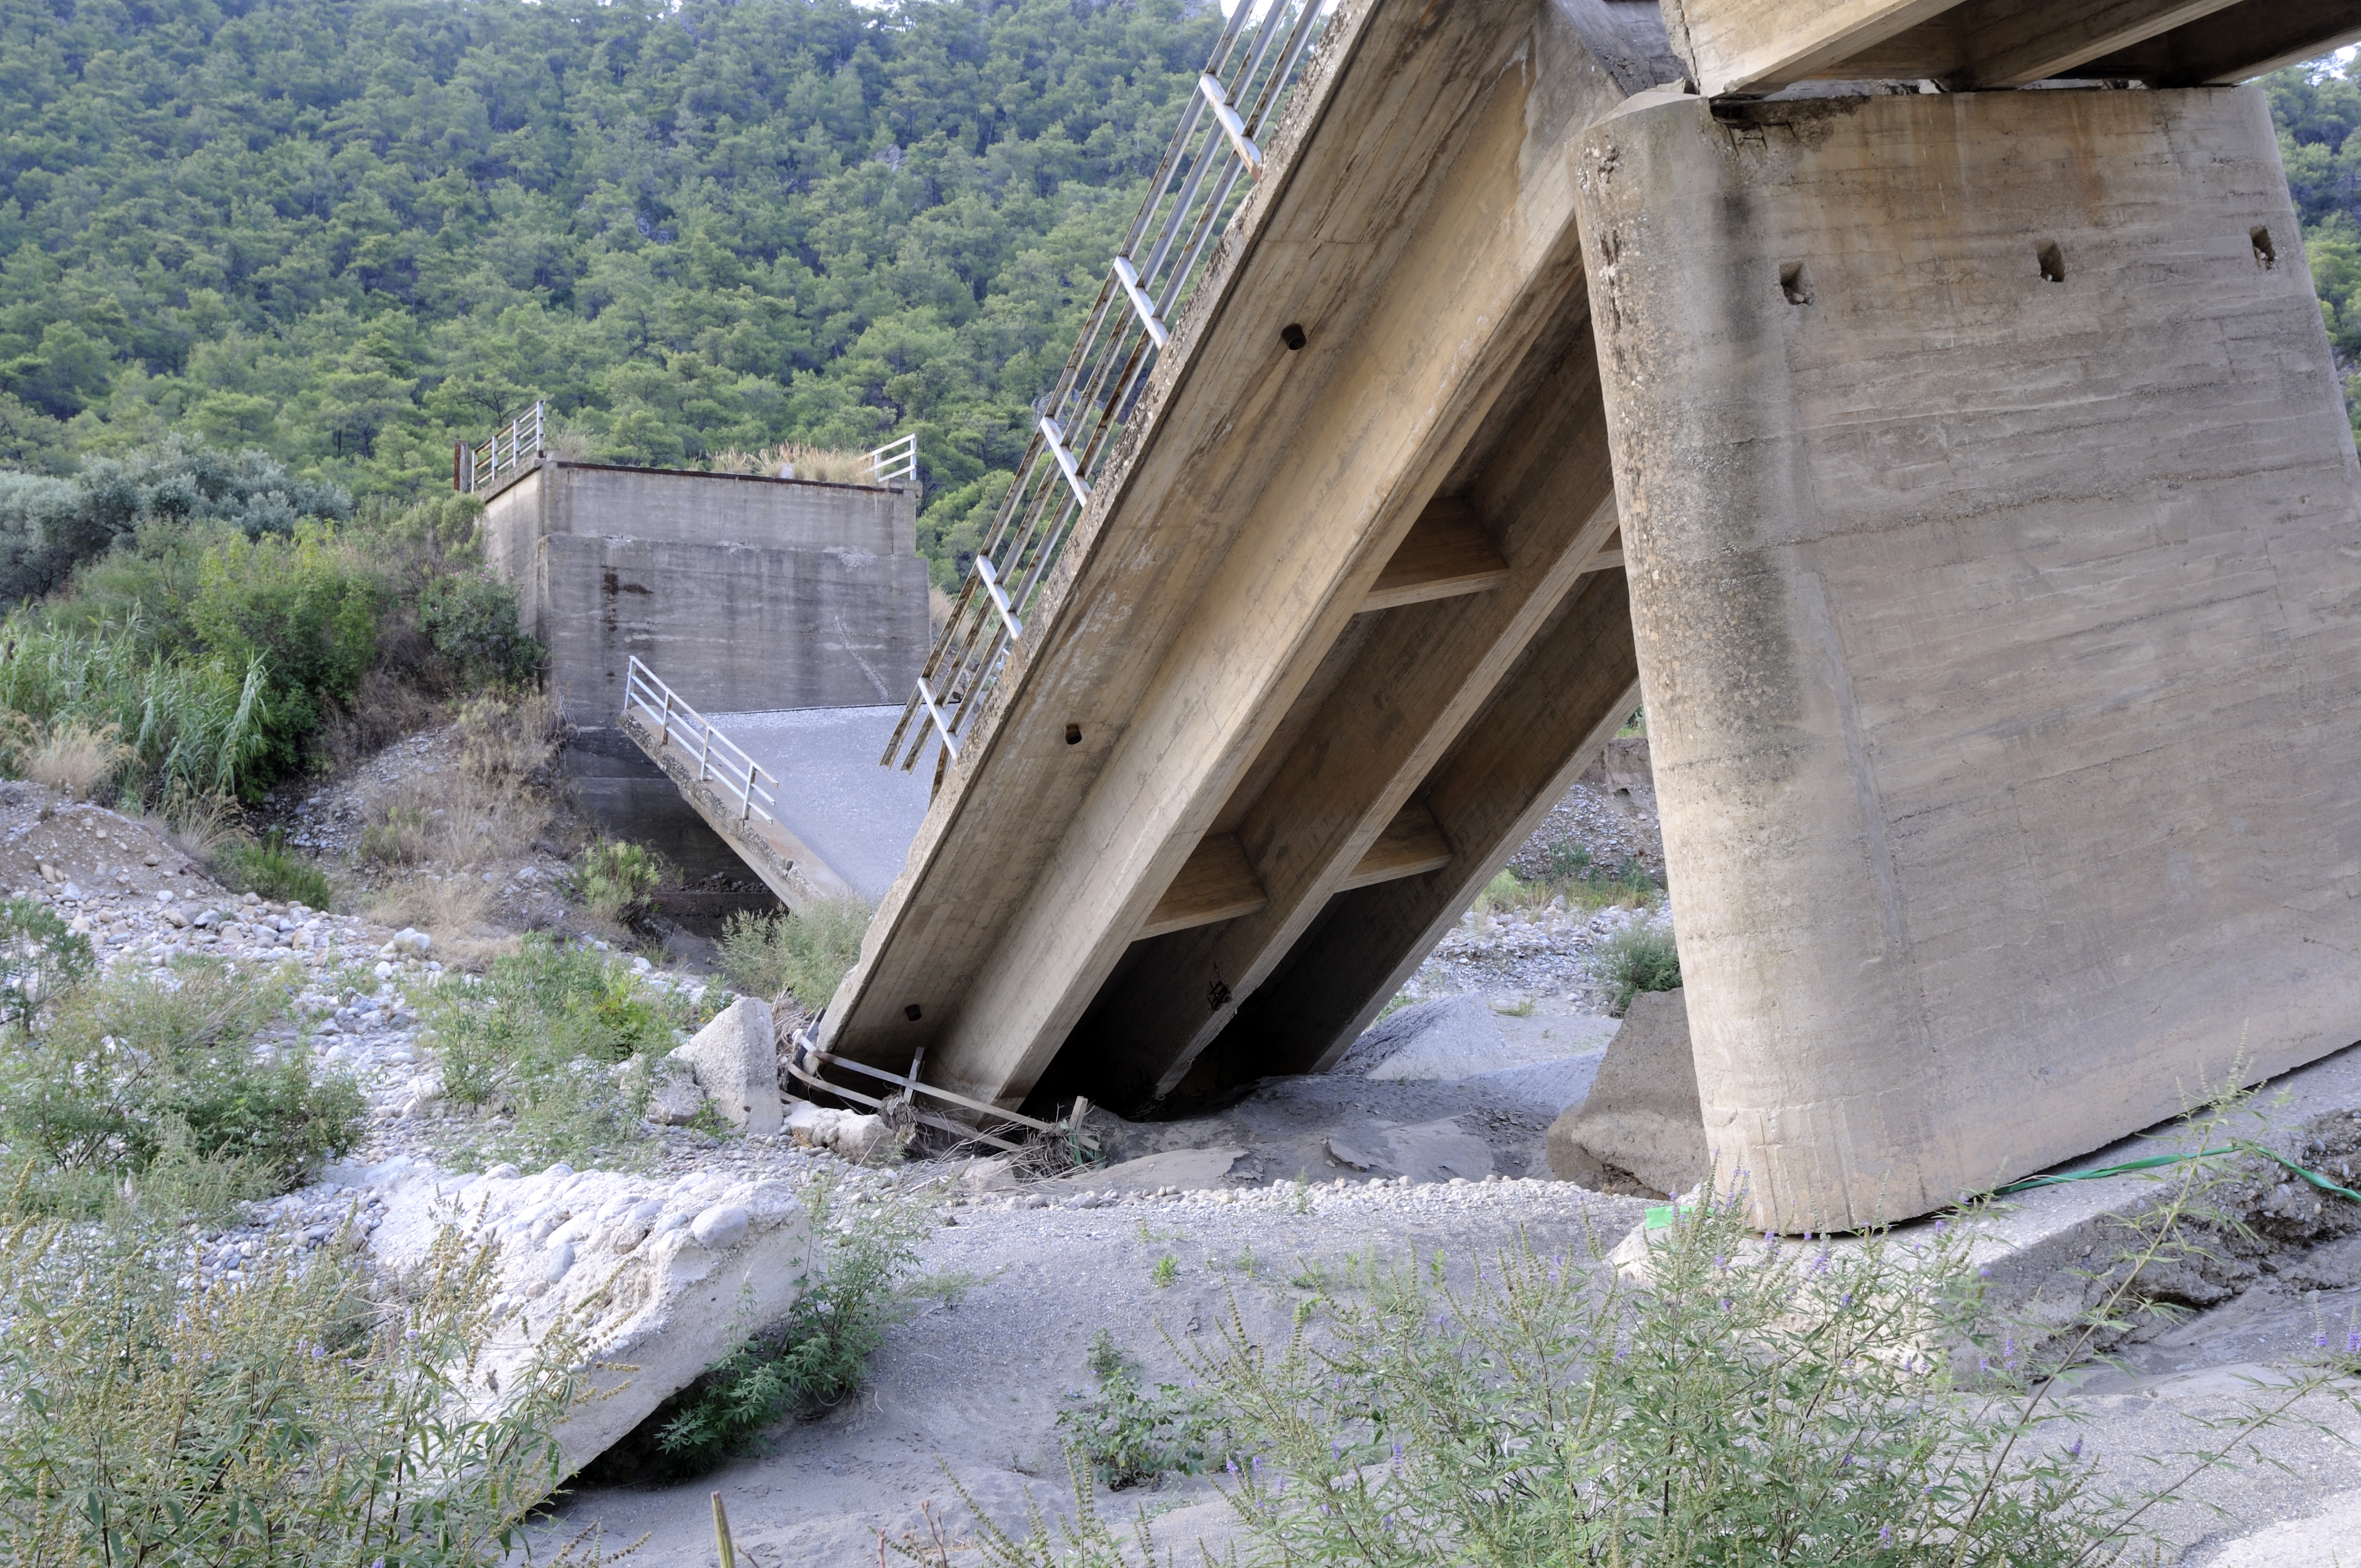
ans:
x=1958 y=469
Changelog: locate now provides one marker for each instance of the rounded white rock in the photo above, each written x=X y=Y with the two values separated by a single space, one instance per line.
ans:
x=724 y=1225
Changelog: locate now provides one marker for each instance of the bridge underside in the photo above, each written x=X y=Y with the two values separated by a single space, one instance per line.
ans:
x=1926 y=578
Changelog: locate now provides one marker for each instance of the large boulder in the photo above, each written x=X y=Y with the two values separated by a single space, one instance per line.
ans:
x=1643 y=1114
x=736 y=1059
x=645 y=1283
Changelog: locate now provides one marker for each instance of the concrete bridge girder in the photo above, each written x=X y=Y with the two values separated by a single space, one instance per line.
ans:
x=1753 y=47
x=1338 y=625
x=1419 y=226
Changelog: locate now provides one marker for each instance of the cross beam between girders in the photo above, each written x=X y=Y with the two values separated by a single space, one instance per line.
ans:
x=1576 y=683
x=1217 y=883
x=1419 y=676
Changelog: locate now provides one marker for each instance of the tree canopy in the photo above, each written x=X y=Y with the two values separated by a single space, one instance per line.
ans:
x=2318 y=110
x=346 y=232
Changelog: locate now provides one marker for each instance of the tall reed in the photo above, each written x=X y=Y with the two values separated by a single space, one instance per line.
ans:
x=198 y=721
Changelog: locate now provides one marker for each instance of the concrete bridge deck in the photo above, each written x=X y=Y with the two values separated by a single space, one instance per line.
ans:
x=1344 y=602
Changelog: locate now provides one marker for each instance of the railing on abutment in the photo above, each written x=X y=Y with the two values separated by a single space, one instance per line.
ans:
x=719 y=760
x=516 y=445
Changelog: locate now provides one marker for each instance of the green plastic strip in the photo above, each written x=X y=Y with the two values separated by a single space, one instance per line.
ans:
x=2031 y=1182
x=1661 y=1215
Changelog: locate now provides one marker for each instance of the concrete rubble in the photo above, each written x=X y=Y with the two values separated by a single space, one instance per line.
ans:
x=736 y=1059
x=1642 y=1114
x=647 y=1281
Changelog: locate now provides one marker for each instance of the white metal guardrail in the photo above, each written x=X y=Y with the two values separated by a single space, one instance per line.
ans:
x=896 y=462
x=718 y=759
x=1187 y=204
x=513 y=445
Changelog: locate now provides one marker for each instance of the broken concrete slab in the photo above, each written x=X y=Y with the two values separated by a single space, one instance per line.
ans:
x=2324 y=1541
x=736 y=1059
x=674 y=1100
x=1455 y=1037
x=1190 y=1171
x=1642 y=1114
x=850 y=1133
x=650 y=1281
x=1437 y=1151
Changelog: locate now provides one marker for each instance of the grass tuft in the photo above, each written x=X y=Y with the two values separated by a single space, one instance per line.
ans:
x=551 y=1052
x=270 y=870
x=1641 y=957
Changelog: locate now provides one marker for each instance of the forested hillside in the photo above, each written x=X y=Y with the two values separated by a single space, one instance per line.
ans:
x=2319 y=115
x=346 y=231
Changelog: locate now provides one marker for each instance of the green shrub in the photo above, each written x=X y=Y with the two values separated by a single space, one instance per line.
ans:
x=470 y=621
x=139 y=1062
x=48 y=525
x=806 y=952
x=614 y=878
x=304 y=610
x=820 y=1352
x=1130 y=1435
x=552 y=1045
x=1641 y=957
x=42 y=959
x=303 y=1421
x=270 y=870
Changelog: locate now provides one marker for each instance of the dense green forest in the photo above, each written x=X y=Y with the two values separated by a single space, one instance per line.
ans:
x=346 y=231
x=2319 y=114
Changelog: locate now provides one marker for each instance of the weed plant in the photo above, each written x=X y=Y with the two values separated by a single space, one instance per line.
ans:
x=805 y=953
x=41 y=958
x=1130 y=1434
x=77 y=758
x=1736 y=1398
x=1641 y=957
x=1573 y=877
x=553 y=1046
x=819 y=1352
x=300 y=1420
x=615 y=879
x=127 y=1069
x=270 y=870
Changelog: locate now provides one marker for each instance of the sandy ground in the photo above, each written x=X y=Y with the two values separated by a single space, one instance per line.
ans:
x=969 y=1392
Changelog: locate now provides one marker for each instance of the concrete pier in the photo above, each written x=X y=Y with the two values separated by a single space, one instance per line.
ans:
x=1990 y=522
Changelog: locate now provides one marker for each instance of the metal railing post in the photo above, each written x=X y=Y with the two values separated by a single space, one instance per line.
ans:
x=704 y=749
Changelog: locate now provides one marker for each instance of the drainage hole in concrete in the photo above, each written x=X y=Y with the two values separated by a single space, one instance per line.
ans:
x=1794 y=283
x=2053 y=263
